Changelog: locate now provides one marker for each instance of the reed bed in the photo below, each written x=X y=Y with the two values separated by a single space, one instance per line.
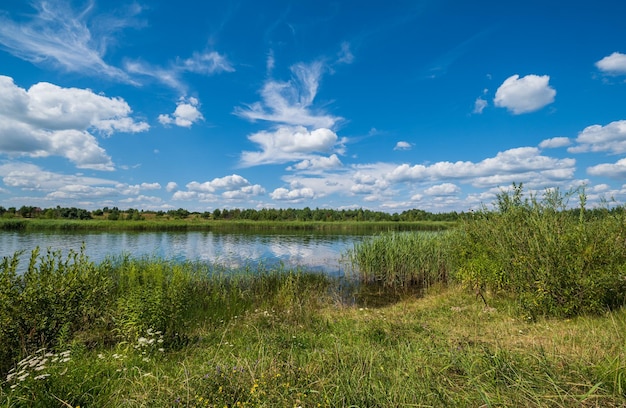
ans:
x=404 y=260
x=197 y=224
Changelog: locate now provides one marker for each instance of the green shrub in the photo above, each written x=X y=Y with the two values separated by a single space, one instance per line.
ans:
x=54 y=298
x=554 y=260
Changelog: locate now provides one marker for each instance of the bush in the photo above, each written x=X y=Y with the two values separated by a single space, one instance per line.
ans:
x=54 y=298
x=553 y=260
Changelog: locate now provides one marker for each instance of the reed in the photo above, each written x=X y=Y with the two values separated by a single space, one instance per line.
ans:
x=198 y=224
x=404 y=260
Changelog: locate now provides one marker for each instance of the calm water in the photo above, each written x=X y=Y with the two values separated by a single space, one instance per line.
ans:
x=312 y=251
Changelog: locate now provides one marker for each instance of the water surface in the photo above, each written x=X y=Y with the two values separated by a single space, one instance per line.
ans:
x=320 y=252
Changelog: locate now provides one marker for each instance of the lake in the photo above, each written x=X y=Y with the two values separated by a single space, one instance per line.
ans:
x=318 y=252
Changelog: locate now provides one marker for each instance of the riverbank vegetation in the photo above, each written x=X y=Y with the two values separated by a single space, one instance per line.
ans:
x=520 y=305
x=305 y=214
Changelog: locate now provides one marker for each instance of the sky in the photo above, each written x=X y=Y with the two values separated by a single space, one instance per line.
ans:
x=382 y=105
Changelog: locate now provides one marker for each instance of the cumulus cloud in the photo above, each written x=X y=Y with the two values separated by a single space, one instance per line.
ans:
x=524 y=95
x=47 y=120
x=555 y=142
x=613 y=170
x=290 y=143
x=185 y=115
x=72 y=189
x=171 y=186
x=233 y=187
x=403 y=146
x=597 y=138
x=295 y=195
x=70 y=38
x=317 y=163
x=445 y=189
x=231 y=182
x=290 y=102
x=614 y=64
x=517 y=164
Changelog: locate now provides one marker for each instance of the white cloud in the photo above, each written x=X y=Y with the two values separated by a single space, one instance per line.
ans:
x=517 y=164
x=597 y=138
x=48 y=120
x=445 y=189
x=555 y=142
x=290 y=102
x=207 y=63
x=403 y=146
x=229 y=183
x=185 y=195
x=479 y=105
x=317 y=163
x=59 y=187
x=613 y=170
x=296 y=195
x=244 y=193
x=524 y=95
x=614 y=64
x=171 y=186
x=56 y=33
x=185 y=115
x=290 y=143
x=150 y=186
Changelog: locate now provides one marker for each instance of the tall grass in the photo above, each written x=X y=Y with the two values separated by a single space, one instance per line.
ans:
x=197 y=224
x=404 y=260
x=60 y=299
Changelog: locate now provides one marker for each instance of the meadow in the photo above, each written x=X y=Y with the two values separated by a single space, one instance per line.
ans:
x=519 y=305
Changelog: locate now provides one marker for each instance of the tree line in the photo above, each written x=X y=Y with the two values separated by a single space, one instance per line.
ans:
x=264 y=214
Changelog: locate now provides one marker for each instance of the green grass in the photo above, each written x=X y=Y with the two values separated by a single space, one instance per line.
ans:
x=146 y=332
x=403 y=260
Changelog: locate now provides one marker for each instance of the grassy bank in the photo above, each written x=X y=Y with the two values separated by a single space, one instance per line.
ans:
x=198 y=224
x=520 y=305
x=146 y=332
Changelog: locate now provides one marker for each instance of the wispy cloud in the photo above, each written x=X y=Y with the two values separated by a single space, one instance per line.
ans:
x=290 y=102
x=204 y=63
x=61 y=35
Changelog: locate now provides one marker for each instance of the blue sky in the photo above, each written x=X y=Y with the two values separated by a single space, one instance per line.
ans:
x=386 y=105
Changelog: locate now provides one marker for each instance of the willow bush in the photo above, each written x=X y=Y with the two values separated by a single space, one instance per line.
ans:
x=555 y=261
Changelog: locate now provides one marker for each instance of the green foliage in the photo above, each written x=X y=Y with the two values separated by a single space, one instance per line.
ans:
x=404 y=260
x=52 y=300
x=554 y=261
x=150 y=294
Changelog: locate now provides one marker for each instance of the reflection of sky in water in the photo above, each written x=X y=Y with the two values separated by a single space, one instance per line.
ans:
x=317 y=252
